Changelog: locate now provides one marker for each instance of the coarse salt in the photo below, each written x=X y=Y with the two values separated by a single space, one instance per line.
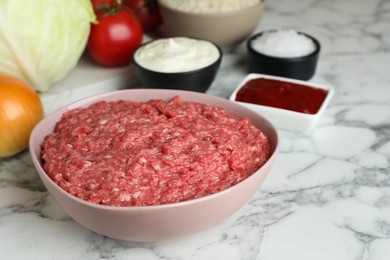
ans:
x=283 y=43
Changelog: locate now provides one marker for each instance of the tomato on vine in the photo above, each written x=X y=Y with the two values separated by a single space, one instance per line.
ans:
x=147 y=12
x=117 y=34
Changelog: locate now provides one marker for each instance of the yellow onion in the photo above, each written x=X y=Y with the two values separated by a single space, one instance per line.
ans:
x=20 y=110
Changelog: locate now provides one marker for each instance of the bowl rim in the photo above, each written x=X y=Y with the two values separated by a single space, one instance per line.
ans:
x=252 y=8
x=99 y=97
x=252 y=51
x=291 y=113
x=217 y=61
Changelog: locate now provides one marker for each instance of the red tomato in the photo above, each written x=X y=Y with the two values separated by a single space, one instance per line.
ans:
x=97 y=3
x=147 y=12
x=113 y=40
x=101 y=7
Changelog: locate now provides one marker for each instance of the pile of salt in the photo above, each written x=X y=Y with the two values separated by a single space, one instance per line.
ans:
x=283 y=43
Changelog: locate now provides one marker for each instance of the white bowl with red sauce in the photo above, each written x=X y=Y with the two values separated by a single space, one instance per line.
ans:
x=155 y=222
x=290 y=104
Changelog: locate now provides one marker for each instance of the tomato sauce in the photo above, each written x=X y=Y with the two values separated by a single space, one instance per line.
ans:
x=281 y=94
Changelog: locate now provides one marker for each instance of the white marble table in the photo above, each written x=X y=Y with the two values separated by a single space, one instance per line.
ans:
x=328 y=196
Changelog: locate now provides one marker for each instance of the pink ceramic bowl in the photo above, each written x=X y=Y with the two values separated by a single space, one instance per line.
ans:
x=151 y=223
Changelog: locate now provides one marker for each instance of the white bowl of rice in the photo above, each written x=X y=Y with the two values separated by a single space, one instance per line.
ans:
x=224 y=22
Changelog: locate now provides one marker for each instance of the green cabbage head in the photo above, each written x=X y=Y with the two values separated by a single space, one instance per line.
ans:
x=41 y=41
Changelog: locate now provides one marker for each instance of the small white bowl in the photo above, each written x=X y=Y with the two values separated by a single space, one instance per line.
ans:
x=283 y=118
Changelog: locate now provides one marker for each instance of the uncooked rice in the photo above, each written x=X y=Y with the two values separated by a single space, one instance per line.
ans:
x=209 y=6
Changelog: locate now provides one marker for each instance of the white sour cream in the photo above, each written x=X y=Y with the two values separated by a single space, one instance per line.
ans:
x=178 y=54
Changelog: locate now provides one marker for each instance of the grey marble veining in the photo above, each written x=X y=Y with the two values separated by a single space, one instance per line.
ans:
x=328 y=196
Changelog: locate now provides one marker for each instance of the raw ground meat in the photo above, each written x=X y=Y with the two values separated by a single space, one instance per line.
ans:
x=128 y=153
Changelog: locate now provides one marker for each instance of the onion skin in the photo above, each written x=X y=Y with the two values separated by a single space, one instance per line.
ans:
x=20 y=110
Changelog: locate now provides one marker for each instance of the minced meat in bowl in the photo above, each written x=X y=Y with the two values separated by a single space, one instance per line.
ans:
x=127 y=153
x=154 y=218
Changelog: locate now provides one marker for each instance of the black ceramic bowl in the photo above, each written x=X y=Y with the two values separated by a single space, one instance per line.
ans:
x=198 y=80
x=302 y=67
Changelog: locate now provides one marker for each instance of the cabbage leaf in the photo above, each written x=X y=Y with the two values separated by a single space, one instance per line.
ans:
x=41 y=41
